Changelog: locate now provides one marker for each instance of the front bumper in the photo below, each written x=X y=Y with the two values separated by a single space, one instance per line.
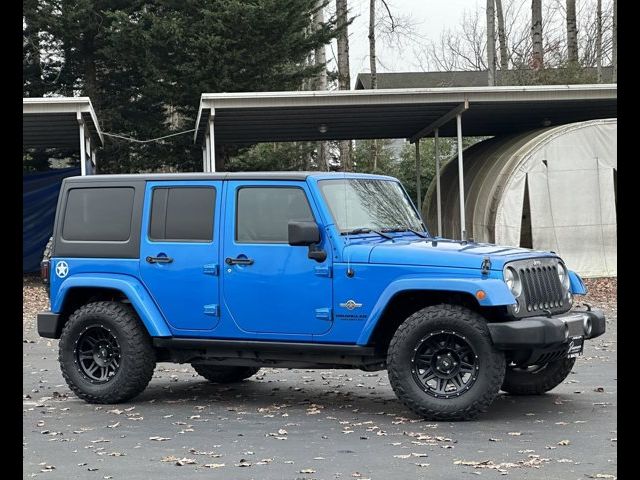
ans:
x=49 y=325
x=543 y=332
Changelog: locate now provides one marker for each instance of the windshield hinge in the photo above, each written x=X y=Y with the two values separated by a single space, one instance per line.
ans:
x=486 y=266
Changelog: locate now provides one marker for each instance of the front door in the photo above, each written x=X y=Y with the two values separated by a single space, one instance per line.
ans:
x=179 y=252
x=270 y=287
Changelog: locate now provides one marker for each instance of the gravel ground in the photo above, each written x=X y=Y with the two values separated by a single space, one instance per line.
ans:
x=314 y=424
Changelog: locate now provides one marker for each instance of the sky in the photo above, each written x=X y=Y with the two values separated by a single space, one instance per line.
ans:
x=429 y=17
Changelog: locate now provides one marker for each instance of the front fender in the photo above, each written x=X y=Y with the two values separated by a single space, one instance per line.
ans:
x=497 y=293
x=130 y=286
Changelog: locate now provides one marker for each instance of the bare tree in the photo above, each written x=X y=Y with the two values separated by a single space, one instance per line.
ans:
x=320 y=54
x=502 y=37
x=614 y=48
x=572 y=33
x=463 y=47
x=372 y=43
x=320 y=58
x=599 y=40
x=537 y=54
x=344 y=77
x=491 y=42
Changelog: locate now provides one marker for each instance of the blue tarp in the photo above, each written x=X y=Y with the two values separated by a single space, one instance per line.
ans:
x=39 y=199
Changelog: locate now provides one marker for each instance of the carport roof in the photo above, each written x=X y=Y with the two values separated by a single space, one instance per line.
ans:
x=245 y=118
x=53 y=122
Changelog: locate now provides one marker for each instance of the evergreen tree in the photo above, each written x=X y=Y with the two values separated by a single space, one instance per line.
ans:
x=144 y=64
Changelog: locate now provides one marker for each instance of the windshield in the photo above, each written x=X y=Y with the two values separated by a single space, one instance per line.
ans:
x=367 y=204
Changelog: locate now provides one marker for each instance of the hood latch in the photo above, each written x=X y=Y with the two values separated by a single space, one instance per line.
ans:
x=486 y=266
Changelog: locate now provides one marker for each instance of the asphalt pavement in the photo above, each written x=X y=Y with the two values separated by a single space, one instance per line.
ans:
x=313 y=424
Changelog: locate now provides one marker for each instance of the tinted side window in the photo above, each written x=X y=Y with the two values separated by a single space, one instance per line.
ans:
x=263 y=214
x=98 y=214
x=182 y=214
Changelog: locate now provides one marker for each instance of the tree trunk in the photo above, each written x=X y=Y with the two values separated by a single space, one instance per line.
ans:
x=344 y=77
x=614 y=48
x=372 y=65
x=502 y=37
x=599 y=40
x=320 y=52
x=372 y=43
x=572 y=34
x=537 y=55
x=491 y=43
x=320 y=59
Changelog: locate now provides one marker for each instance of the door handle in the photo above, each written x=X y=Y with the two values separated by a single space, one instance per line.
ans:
x=238 y=261
x=159 y=259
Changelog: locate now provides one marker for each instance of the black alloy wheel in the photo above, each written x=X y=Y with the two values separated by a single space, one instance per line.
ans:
x=444 y=364
x=97 y=354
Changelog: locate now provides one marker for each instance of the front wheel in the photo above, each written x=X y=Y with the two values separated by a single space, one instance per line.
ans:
x=537 y=379
x=442 y=364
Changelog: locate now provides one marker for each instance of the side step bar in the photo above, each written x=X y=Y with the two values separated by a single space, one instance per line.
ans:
x=264 y=346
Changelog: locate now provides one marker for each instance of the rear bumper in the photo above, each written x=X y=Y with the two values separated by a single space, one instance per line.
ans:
x=542 y=332
x=49 y=325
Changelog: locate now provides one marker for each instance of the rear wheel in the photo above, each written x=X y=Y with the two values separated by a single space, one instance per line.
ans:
x=224 y=373
x=537 y=379
x=105 y=353
x=442 y=364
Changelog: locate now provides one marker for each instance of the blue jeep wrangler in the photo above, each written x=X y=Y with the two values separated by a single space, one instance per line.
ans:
x=234 y=271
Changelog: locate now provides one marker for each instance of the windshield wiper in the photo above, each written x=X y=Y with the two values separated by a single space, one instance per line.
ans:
x=406 y=229
x=357 y=231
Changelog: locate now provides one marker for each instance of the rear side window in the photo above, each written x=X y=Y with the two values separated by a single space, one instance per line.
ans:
x=182 y=214
x=98 y=214
x=263 y=214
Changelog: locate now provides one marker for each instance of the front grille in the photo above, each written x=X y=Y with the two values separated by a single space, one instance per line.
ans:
x=541 y=287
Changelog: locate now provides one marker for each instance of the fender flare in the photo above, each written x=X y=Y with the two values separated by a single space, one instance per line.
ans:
x=497 y=293
x=137 y=294
x=576 y=285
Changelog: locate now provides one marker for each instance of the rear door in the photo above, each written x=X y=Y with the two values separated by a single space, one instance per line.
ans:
x=270 y=287
x=179 y=255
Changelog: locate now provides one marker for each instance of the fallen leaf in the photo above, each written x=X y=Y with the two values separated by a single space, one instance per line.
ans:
x=564 y=442
x=307 y=470
x=214 y=465
x=159 y=439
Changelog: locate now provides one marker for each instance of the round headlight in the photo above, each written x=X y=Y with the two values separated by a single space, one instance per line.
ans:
x=513 y=281
x=563 y=276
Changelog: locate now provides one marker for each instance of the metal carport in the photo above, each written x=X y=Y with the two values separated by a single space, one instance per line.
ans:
x=62 y=122
x=254 y=117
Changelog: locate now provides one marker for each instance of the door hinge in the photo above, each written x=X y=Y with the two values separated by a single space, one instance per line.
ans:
x=324 y=314
x=323 y=271
x=211 y=269
x=211 y=310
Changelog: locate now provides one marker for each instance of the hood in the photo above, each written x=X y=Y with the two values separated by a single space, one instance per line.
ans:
x=439 y=253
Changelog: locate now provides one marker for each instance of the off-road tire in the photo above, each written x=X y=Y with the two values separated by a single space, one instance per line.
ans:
x=473 y=327
x=520 y=382
x=137 y=361
x=224 y=373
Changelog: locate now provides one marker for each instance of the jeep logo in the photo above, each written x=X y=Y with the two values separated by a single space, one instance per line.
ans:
x=536 y=263
x=350 y=305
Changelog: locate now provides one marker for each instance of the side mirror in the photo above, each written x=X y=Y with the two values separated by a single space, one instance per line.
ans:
x=303 y=233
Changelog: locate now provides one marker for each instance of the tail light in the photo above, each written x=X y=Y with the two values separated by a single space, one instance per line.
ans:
x=44 y=271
